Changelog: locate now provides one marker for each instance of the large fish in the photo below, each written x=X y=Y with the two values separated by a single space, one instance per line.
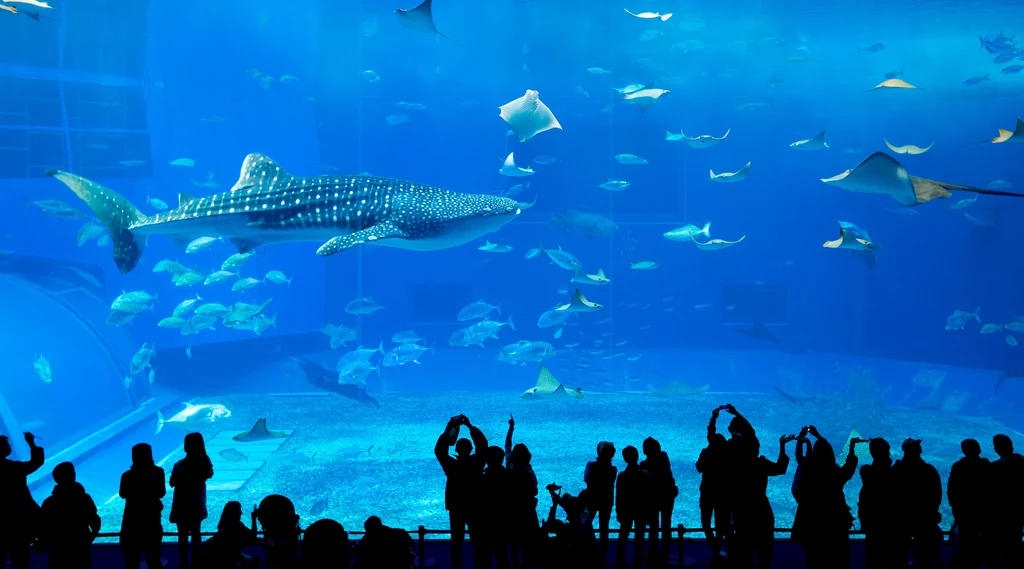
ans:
x=268 y=205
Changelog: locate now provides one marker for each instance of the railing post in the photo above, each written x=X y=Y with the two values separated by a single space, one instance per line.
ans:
x=423 y=536
x=680 y=529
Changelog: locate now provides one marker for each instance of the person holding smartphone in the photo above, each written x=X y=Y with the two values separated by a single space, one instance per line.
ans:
x=463 y=472
x=823 y=520
x=19 y=513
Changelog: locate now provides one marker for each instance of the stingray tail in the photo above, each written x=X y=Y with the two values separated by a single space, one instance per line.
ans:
x=449 y=39
x=115 y=212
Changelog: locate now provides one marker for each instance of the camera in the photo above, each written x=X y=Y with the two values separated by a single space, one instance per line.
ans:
x=553 y=487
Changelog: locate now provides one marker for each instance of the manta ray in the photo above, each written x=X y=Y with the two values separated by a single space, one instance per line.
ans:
x=704 y=140
x=420 y=19
x=737 y=176
x=528 y=116
x=259 y=432
x=883 y=174
x=816 y=143
x=714 y=244
x=269 y=205
x=548 y=386
x=323 y=378
x=1017 y=136
x=908 y=148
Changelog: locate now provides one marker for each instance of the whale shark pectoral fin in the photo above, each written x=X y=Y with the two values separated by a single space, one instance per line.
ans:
x=245 y=245
x=382 y=230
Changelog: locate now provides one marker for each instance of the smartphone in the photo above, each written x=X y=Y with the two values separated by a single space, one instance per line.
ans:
x=723 y=407
x=453 y=427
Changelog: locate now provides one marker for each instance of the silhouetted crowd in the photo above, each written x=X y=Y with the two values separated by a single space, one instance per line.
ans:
x=492 y=492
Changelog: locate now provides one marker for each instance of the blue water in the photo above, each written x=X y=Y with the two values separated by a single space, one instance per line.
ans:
x=95 y=83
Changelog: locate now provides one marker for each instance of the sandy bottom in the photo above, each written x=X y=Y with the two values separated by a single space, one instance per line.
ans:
x=399 y=479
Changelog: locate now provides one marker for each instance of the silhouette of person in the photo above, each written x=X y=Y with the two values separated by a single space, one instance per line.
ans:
x=918 y=497
x=967 y=490
x=188 y=505
x=325 y=545
x=69 y=522
x=1007 y=503
x=752 y=517
x=599 y=476
x=632 y=506
x=19 y=513
x=712 y=466
x=663 y=497
x=276 y=514
x=463 y=479
x=876 y=508
x=524 y=526
x=224 y=549
x=143 y=487
x=494 y=510
x=573 y=544
x=823 y=520
x=383 y=546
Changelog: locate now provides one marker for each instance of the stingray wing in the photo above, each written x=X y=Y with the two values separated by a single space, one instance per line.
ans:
x=546 y=382
x=528 y=116
x=878 y=174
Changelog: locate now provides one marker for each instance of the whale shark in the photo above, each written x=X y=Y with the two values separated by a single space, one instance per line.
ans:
x=269 y=205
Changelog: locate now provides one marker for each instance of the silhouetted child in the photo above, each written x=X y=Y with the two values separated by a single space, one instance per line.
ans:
x=573 y=543
x=876 y=508
x=712 y=466
x=143 y=487
x=224 y=549
x=463 y=479
x=823 y=519
x=599 y=476
x=325 y=545
x=632 y=506
x=188 y=506
x=19 y=513
x=383 y=546
x=968 y=491
x=1008 y=503
x=495 y=502
x=276 y=514
x=663 y=497
x=524 y=527
x=919 y=496
x=69 y=522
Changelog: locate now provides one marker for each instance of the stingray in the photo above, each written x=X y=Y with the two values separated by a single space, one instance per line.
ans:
x=649 y=15
x=882 y=174
x=908 y=148
x=893 y=84
x=795 y=398
x=579 y=303
x=704 y=140
x=737 y=176
x=327 y=380
x=548 y=386
x=10 y=9
x=816 y=143
x=259 y=432
x=715 y=244
x=1017 y=136
x=527 y=116
x=510 y=169
x=847 y=240
x=645 y=97
x=760 y=332
x=420 y=19
x=1016 y=374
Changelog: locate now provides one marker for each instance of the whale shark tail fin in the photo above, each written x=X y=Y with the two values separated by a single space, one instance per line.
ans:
x=115 y=212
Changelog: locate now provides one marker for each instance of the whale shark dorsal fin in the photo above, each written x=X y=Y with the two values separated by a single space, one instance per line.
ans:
x=259 y=432
x=258 y=169
x=184 y=199
x=546 y=382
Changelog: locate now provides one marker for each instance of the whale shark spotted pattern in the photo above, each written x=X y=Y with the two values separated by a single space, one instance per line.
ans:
x=268 y=205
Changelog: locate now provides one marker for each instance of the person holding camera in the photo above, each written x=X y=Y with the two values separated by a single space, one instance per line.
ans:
x=19 y=513
x=463 y=472
x=823 y=520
